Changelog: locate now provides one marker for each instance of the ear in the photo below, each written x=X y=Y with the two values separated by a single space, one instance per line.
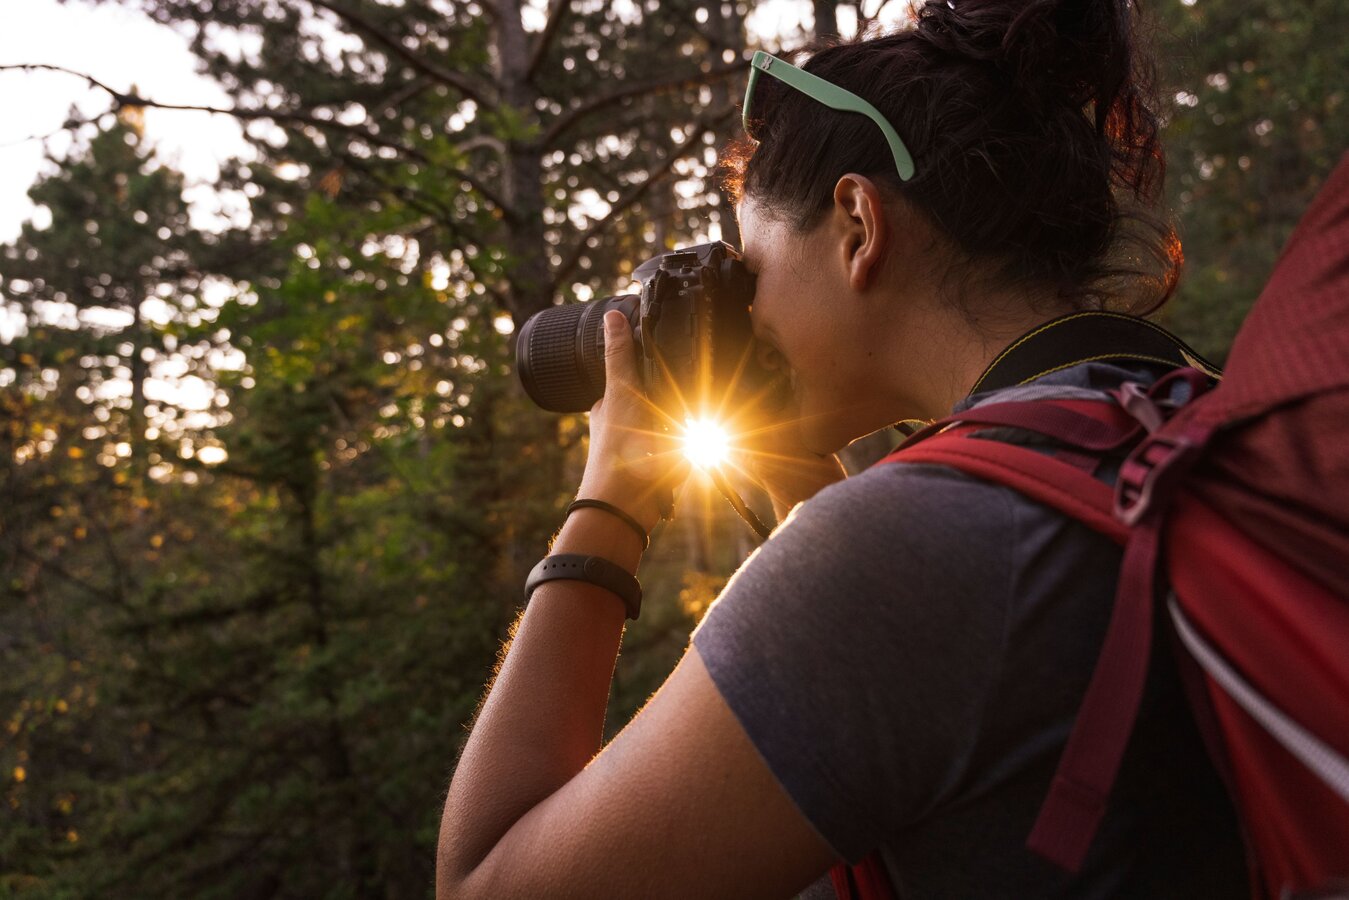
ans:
x=860 y=217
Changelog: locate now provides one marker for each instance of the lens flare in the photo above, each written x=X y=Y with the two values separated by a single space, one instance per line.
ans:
x=706 y=443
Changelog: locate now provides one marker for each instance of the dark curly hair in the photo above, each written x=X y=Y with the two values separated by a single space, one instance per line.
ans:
x=1033 y=126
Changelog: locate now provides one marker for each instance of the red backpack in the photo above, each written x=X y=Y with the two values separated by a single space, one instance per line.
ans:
x=1243 y=490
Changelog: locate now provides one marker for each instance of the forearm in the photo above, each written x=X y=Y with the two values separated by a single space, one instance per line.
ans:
x=543 y=719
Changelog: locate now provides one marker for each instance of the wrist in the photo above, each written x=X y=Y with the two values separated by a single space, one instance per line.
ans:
x=594 y=532
x=636 y=500
x=638 y=530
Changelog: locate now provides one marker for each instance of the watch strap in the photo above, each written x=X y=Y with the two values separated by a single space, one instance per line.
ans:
x=594 y=570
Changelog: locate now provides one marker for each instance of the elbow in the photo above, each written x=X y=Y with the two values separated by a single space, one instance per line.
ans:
x=456 y=878
x=451 y=881
x=448 y=889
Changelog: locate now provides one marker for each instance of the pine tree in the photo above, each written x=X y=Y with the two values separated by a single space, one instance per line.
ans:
x=95 y=288
x=119 y=248
x=1256 y=124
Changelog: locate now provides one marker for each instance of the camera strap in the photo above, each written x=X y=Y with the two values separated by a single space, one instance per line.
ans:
x=1084 y=337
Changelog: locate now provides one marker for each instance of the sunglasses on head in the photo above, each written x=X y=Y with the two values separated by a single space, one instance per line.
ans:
x=831 y=95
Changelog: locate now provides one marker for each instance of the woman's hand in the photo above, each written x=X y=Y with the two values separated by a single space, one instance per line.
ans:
x=779 y=461
x=631 y=464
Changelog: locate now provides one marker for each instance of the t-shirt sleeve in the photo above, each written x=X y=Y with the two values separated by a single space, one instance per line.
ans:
x=858 y=645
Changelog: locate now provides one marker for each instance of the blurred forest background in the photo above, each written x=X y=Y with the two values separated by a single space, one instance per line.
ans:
x=267 y=493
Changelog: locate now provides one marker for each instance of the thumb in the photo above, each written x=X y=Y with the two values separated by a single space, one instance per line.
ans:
x=620 y=357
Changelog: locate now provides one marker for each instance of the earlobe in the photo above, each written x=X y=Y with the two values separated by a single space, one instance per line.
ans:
x=861 y=212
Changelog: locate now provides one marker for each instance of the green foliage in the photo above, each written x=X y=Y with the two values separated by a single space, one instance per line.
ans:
x=1256 y=124
x=240 y=640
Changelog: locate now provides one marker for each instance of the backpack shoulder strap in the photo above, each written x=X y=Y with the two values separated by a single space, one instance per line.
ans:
x=1036 y=475
x=1077 y=797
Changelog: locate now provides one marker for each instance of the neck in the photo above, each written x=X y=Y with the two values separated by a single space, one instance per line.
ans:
x=945 y=354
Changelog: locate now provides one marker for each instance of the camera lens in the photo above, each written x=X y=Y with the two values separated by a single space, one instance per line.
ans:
x=560 y=353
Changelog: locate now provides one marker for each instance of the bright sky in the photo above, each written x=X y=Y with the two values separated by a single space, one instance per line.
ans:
x=121 y=48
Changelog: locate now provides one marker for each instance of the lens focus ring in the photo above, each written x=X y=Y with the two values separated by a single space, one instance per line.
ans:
x=549 y=363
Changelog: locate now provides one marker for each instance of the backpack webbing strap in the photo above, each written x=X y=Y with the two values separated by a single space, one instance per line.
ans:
x=1081 y=788
x=865 y=881
x=1036 y=475
x=1077 y=797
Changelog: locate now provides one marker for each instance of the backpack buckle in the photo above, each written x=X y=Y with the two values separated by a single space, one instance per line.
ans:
x=1149 y=473
x=1153 y=406
x=1139 y=403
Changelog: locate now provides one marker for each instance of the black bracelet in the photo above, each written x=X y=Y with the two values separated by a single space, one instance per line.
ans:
x=613 y=510
x=592 y=570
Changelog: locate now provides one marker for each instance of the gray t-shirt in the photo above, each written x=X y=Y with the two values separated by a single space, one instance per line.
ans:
x=908 y=652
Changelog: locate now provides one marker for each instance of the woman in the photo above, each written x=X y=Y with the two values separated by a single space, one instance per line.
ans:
x=897 y=669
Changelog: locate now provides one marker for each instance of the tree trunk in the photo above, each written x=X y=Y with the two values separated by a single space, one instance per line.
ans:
x=826 y=20
x=522 y=189
x=356 y=851
x=728 y=24
x=139 y=456
x=535 y=433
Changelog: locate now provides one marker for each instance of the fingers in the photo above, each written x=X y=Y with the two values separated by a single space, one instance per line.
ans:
x=620 y=353
x=629 y=457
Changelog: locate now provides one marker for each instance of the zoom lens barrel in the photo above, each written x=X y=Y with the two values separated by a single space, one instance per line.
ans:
x=692 y=327
x=560 y=353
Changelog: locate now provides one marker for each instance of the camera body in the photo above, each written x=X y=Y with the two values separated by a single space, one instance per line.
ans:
x=697 y=353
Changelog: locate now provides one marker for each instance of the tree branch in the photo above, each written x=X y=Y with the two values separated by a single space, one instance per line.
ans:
x=864 y=21
x=568 y=119
x=556 y=13
x=487 y=193
x=48 y=565
x=64 y=126
x=483 y=140
x=475 y=92
x=435 y=211
x=121 y=99
x=409 y=90
x=635 y=193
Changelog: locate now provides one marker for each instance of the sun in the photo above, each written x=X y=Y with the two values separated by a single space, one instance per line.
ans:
x=706 y=443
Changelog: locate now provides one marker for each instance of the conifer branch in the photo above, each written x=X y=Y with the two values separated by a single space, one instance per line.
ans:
x=476 y=92
x=483 y=140
x=121 y=99
x=642 y=89
x=433 y=210
x=635 y=193
x=866 y=22
x=556 y=12
x=60 y=572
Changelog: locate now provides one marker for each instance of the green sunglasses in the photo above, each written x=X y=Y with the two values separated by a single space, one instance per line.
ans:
x=831 y=95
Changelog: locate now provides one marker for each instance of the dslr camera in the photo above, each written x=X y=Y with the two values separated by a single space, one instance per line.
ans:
x=696 y=348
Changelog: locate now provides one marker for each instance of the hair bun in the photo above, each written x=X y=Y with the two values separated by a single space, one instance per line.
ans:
x=1078 y=51
x=1034 y=130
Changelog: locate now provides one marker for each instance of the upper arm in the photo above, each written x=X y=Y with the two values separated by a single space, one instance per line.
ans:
x=679 y=804
x=857 y=647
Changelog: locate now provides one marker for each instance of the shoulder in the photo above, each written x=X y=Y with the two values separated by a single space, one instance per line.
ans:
x=896 y=520
x=898 y=493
